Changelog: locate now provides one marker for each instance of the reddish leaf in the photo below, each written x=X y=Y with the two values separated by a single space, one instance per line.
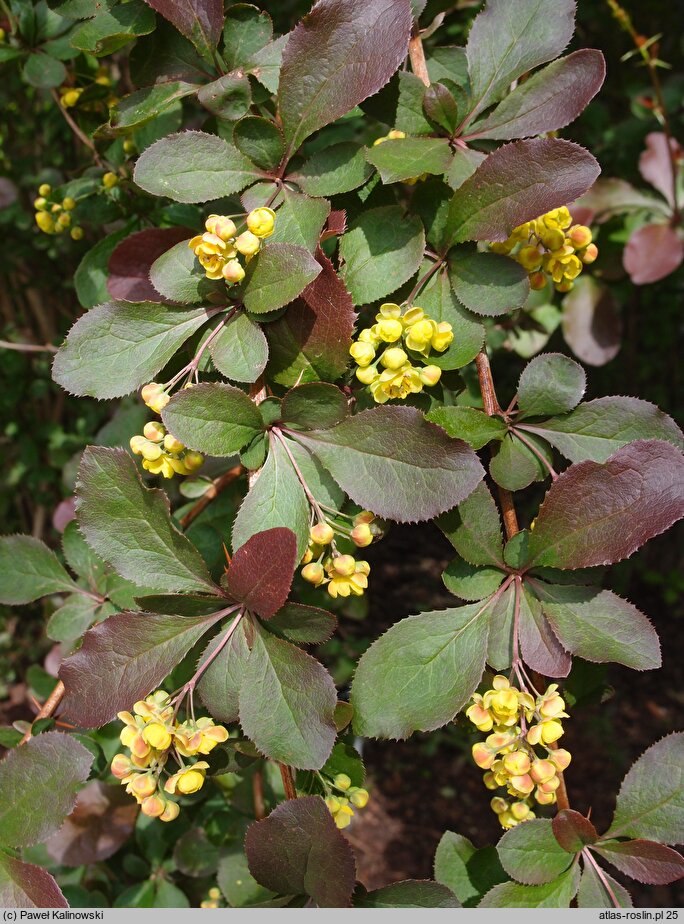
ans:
x=336 y=224
x=311 y=341
x=652 y=253
x=539 y=646
x=261 y=572
x=598 y=514
x=592 y=325
x=102 y=820
x=23 y=885
x=655 y=165
x=200 y=21
x=129 y=264
x=573 y=831
x=645 y=861
x=298 y=850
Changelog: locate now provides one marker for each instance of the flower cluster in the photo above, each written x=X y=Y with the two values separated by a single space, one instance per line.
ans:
x=550 y=247
x=213 y=899
x=218 y=248
x=151 y=734
x=519 y=723
x=392 y=136
x=394 y=334
x=162 y=453
x=342 y=575
x=342 y=798
x=53 y=215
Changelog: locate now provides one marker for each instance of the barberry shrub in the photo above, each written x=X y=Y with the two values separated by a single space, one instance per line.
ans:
x=303 y=290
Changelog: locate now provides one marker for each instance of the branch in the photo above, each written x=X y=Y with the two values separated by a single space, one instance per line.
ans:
x=28 y=347
x=210 y=494
x=288 y=781
x=417 y=56
x=82 y=137
x=47 y=709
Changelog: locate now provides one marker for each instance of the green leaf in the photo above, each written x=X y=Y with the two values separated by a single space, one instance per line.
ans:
x=119 y=346
x=111 y=29
x=597 y=514
x=337 y=169
x=474 y=528
x=469 y=424
x=213 y=418
x=505 y=191
x=531 y=854
x=236 y=882
x=240 y=350
x=596 y=429
x=550 y=384
x=468 y=872
x=275 y=499
x=246 y=31
x=465 y=163
x=29 y=570
x=650 y=803
x=381 y=251
x=122 y=659
x=321 y=484
x=344 y=52
x=43 y=71
x=555 y=894
x=141 y=107
x=410 y=115
x=304 y=625
x=178 y=276
x=403 y=158
x=280 y=273
x=23 y=885
x=130 y=525
x=470 y=582
x=592 y=891
x=395 y=463
x=516 y=550
x=228 y=98
x=70 y=620
x=409 y=893
x=316 y=405
x=298 y=850
x=260 y=140
x=546 y=101
x=300 y=220
x=509 y=38
x=265 y=63
x=597 y=625
x=287 y=701
x=32 y=806
x=90 y=278
x=501 y=636
x=488 y=283
x=193 y=167
x=219 y=685
x=515 y=466
x=440 y=303
x=420 y=674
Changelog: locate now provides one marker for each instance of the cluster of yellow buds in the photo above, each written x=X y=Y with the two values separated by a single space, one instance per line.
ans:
x=343 y=802
x=519 y=723
x=151 y=733
x=162 y=453
x=550 y=247
x=213 y=899
x=53 y=216
x=412 y=329
x=342 y=575
x=391 y=136
x=69 y=97
x=218 y=248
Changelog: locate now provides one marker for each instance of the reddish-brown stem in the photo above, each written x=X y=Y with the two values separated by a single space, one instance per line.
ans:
x=510 y=518
x=258 y=795
x=288 y=781
x=423 y=279
x=562 y=800
x=217 y=485
x=417 y=56
x=47 y=709
x=484 y=375
x=586 y=854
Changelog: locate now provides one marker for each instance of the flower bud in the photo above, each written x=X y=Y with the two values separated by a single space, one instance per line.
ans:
x=344 y=816
x=580 y=236
x=361 y=535
x=154 y=396
x=367 y=375
x=68 y=203
x=482 y=756
x=363 y=353
x=499 y=805
x=551 y=731
x=261 y=221
x=153 y=806
x=171 y=444
x=390 y=330
x=542 y=770
x=550 y=785
x=64 y=219
x=248 y=243
x=45 y=222
x=520 y=810
x=561 y=758
x=517 y=762
x=529 y=257
x=171 y=812
x=589 y=254
x=342 y=781
x=358 y=797
x=121 y=766
x=334 y=804
x=154 y=431
x=393 y=358
x=70 y=98
x=523 y=783
x=193 y=460
x=130 y=147
x=233 y=272
x=143 y=785
x=430 y=375
x=537 y=281
x=322 y=533
x=344 y=565
x=40 y=204
x=313 y=573
x=221 y=226
x=44 y=189
x=388 y=310
x=544 y=798
x=110 y=180
x=76 y=233
x=413 y=316
x=419 y=335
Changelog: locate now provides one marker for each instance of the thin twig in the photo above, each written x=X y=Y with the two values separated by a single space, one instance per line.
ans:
x=48 y=708
x=258 y=795
x=484 y=375
x=28 y=347
x=423 y=279
x=82 y=137
x=417 y=56
x=288 y=781
x=537 y=453
x=217 y=485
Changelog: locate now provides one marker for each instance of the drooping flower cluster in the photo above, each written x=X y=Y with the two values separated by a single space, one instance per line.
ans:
x=342 y=798
x=550 y=247
x=397 y=341
x=342 y=575
x=519 y=724
x=162 y=453
x=218 y=248
x=153 y=735
x=53 y=215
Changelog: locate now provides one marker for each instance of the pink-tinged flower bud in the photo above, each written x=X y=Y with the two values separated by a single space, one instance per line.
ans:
x=344 y=565
x=233 y=272
x=429 y=375
x=523 y=783
x=561 y=758
x=589 y=254
x=542 y=770
x=537 y=280
x=580 y=236
x=516 y=763
x=544 y=798
x=499 y=805
x=153 y=806
x=365 y=516
x=142 y=785
x=121 y=766
x=313 y=573
x=482 y=756
x=221 y=226
x=500 y=740
x=520 y=810
x=489 y=781
x=154 y=431
x=171 y=444
x=322 y=533
x=361 y=535
x=171 y=812
x=248 y=243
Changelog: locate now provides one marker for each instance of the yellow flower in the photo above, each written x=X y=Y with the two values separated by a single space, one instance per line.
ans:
x=45 y=222
x=261 y=221
x=346 y=577
x=44 y=189
x=76 y=233
x=389 y=330
x=247 y=244
x=153 y=806
x=420 y=334
x=69 y=98
x=157 y=735
x=110 y=180
x=221 y=226
x=396 y=384
x=69 y=204
x=154 y=396
x=187 y=780
x=443 y=337
x=362 y=353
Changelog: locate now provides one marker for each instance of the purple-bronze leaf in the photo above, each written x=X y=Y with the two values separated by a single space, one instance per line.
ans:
x=122 y=659
x=261 y=572
x=298 y=850
x=655 y=164
x=598 y=514
x=592 y=324
x=102 y=820
x=539 y=645
x=130 y=262
x=517 y=183
x=645 y=861
x=573 y=831
x=652 y=253
x=23 y=885
x=342 y=52
x=200 y=21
